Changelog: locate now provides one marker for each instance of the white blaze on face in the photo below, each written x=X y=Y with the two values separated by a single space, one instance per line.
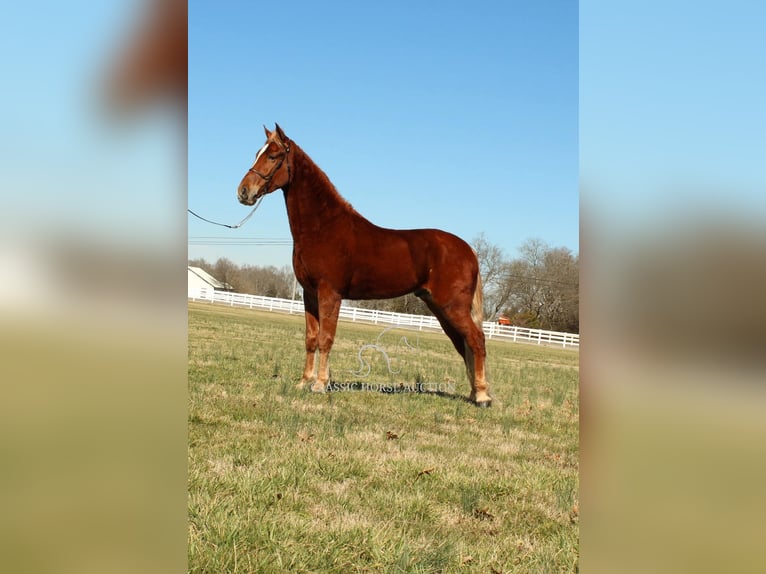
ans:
x=260 y=152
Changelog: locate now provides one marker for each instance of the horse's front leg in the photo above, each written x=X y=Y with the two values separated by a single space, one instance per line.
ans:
x=329 y=308
x=311 y=306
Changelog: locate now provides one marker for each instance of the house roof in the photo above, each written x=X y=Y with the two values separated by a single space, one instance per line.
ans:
x=209 y=279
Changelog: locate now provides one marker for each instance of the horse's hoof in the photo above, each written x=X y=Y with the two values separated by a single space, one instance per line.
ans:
x=318 y=388
x=483 y=404
x=304 y=382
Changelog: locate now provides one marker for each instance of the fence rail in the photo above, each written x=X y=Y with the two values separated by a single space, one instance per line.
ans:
x=420 y=322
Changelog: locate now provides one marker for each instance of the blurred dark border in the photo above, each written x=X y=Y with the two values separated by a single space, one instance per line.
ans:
x=93 y=319
x=673 y=247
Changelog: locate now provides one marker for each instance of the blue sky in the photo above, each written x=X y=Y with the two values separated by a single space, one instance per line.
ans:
x=455 y=115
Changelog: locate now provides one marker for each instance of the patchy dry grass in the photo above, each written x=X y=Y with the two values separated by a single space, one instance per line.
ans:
x=282 y=480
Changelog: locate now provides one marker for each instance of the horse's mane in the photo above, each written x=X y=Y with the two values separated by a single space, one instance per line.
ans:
x=316 y=180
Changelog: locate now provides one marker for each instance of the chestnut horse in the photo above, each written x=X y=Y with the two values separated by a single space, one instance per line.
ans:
x=338 y=254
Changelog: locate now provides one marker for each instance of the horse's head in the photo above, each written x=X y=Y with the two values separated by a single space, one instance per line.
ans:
x=271 y=169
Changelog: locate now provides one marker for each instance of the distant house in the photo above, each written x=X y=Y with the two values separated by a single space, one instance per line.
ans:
x=199 y=279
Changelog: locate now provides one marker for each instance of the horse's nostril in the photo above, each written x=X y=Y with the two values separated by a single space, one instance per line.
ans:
x=243 y=191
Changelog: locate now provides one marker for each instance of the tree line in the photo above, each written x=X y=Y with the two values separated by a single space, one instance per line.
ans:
x=268 y=281
x=538 y=289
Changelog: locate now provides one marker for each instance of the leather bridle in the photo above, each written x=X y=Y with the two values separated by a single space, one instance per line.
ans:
x=267 y=178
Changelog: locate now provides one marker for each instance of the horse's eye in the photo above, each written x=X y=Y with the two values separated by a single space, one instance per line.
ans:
x=273 y=157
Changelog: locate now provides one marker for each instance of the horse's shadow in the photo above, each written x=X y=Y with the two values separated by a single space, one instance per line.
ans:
x=365 y=368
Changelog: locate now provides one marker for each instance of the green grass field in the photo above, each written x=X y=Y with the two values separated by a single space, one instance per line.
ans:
x=282 y=480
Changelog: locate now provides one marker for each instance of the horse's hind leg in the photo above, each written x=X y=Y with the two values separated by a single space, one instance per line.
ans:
x=311 y=304
x=468 y=339
x=475 y=355
x=475 y=361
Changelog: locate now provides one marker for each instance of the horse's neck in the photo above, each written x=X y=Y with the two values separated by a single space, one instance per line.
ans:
x=311 y=199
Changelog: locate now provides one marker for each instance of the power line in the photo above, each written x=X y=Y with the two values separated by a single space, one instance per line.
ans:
x=207 y=240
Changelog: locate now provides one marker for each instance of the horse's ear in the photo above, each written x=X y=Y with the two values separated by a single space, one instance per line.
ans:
x=268 y=133
x=280 y=133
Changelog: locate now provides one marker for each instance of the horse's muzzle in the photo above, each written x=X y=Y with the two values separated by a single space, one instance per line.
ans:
x=243 y=194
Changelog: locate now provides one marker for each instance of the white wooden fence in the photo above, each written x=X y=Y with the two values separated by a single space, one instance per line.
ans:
x=419 y=322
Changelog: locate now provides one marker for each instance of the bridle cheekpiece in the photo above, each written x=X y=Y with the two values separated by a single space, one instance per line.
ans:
x=267 y=178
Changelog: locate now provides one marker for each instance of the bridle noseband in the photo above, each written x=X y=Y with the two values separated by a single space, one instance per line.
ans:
x=267 y=178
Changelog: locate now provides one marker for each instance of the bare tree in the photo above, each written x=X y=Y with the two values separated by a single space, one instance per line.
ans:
x=493 y=267
x=226 y=271
x=543 y=287
x=560 y=291
x=202 y=264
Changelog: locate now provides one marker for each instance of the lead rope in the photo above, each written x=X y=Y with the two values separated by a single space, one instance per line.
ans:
x=240 y=224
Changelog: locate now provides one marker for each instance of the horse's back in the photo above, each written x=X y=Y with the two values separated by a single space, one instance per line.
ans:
x=441 y=247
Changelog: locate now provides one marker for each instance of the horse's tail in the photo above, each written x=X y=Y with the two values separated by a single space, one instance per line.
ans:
x=477 y=305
